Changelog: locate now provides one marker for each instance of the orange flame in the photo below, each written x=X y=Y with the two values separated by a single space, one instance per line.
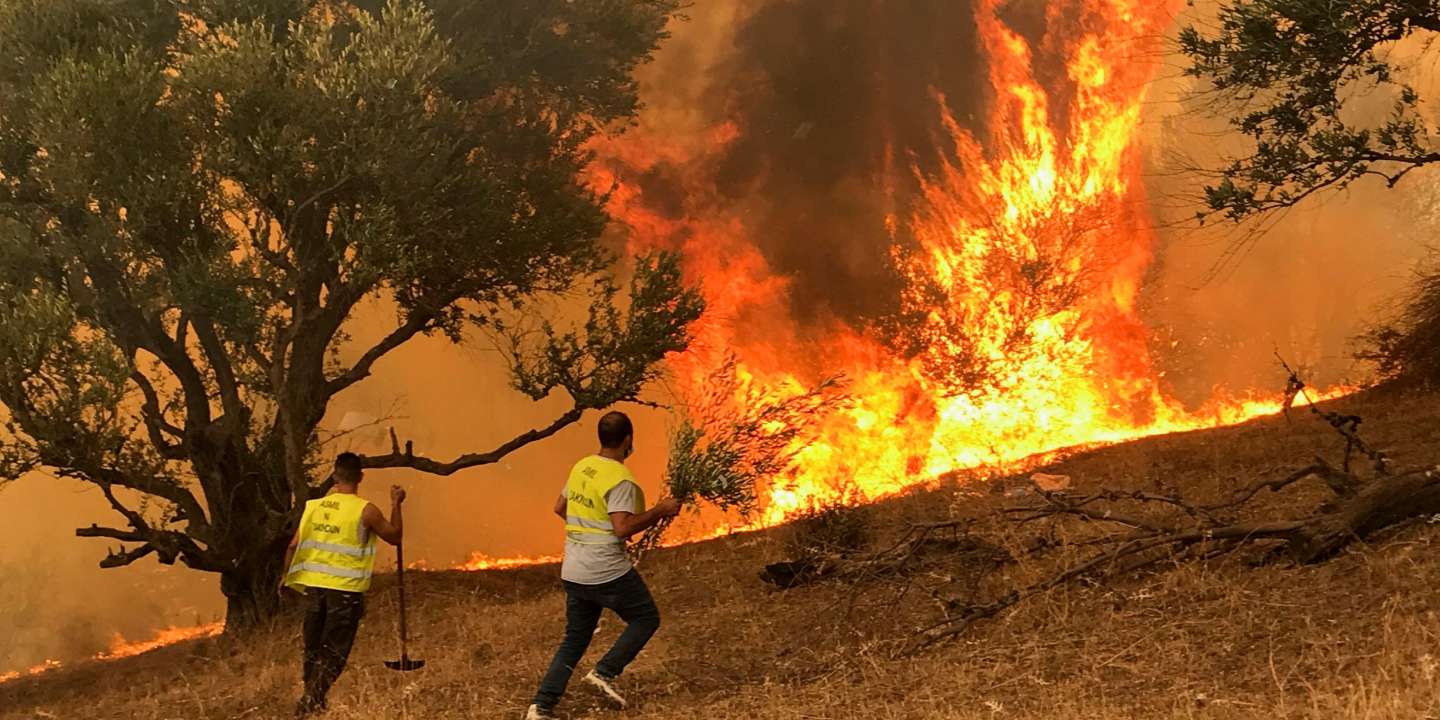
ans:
x=122 y=648
x=44 y=667
x=1028 y=255
x=481 y=561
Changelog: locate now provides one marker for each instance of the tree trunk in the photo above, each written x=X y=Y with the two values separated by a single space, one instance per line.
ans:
x=252 y=589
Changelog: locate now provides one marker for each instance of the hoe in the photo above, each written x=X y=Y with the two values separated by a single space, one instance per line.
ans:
x=404 y=664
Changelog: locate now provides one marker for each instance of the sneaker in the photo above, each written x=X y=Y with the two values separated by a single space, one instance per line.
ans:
x=535 y=713
x=606 y=686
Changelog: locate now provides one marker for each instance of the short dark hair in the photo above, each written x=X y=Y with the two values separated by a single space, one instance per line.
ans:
x=614 y=427
x=347 y=466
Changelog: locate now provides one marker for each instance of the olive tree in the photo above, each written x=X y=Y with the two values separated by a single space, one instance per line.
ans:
x=196 y=195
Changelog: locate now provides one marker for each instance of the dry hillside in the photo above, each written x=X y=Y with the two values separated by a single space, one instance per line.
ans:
x=1356 y=637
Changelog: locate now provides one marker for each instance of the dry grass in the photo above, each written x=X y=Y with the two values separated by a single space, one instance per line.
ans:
x=1352 y=638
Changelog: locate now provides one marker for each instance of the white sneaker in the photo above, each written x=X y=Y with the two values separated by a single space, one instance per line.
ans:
x=606 y=687
x=535 y=713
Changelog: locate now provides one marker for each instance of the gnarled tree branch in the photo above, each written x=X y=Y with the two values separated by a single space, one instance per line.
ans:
x=406 y=458
x=170 y=546
x=416 y=324
x=155 y=423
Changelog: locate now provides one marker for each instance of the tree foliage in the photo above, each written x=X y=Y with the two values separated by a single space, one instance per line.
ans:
x=195 y=196
x=1289 y=71
x=1292 y=74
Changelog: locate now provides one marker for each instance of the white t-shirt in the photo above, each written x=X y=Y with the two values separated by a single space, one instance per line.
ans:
x=595 y=564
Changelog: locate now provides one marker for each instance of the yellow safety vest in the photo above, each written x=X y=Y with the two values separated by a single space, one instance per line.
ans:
x=336 y=551
x=587 y=515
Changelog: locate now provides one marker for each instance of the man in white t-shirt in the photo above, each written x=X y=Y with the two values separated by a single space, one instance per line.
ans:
x=602 y=507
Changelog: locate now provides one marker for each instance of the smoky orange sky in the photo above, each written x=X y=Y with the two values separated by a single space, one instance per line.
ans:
x=1305 y=289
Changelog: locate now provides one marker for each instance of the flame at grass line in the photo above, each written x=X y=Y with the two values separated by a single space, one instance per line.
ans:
x=481 y=561
x=44 y=667
x=1029 y=250
x=122 y=648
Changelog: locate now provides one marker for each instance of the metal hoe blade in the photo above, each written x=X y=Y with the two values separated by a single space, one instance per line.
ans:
x=404 y=664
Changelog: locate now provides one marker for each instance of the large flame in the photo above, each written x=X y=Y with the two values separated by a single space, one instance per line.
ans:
x=1021 y=282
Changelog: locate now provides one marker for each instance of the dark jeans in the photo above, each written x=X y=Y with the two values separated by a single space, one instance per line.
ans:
x=628 y=597
x=331 y=620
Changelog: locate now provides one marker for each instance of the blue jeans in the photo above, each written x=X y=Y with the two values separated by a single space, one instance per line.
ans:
x=628 y=597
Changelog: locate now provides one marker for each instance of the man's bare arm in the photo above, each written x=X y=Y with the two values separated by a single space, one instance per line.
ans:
x=392 y=530
x=560 y=508
x=629 y=524
x=289 y=558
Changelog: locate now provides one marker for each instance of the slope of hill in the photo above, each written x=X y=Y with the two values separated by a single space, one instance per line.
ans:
x=1356 y=637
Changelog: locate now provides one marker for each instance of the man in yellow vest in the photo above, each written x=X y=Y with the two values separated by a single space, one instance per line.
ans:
x=602 y=507
x=331 y=560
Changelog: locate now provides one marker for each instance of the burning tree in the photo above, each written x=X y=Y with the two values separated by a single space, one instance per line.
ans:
x=1291 y=73
x=195 y=196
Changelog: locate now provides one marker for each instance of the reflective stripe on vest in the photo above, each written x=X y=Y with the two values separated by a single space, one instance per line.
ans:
x=588 y=524
x=590 y=532
x=587 y=514
x=335 y=550
x=328 y=570
x=342 y=549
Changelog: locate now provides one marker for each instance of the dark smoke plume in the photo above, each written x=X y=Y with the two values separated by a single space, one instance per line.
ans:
x=836 y=103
